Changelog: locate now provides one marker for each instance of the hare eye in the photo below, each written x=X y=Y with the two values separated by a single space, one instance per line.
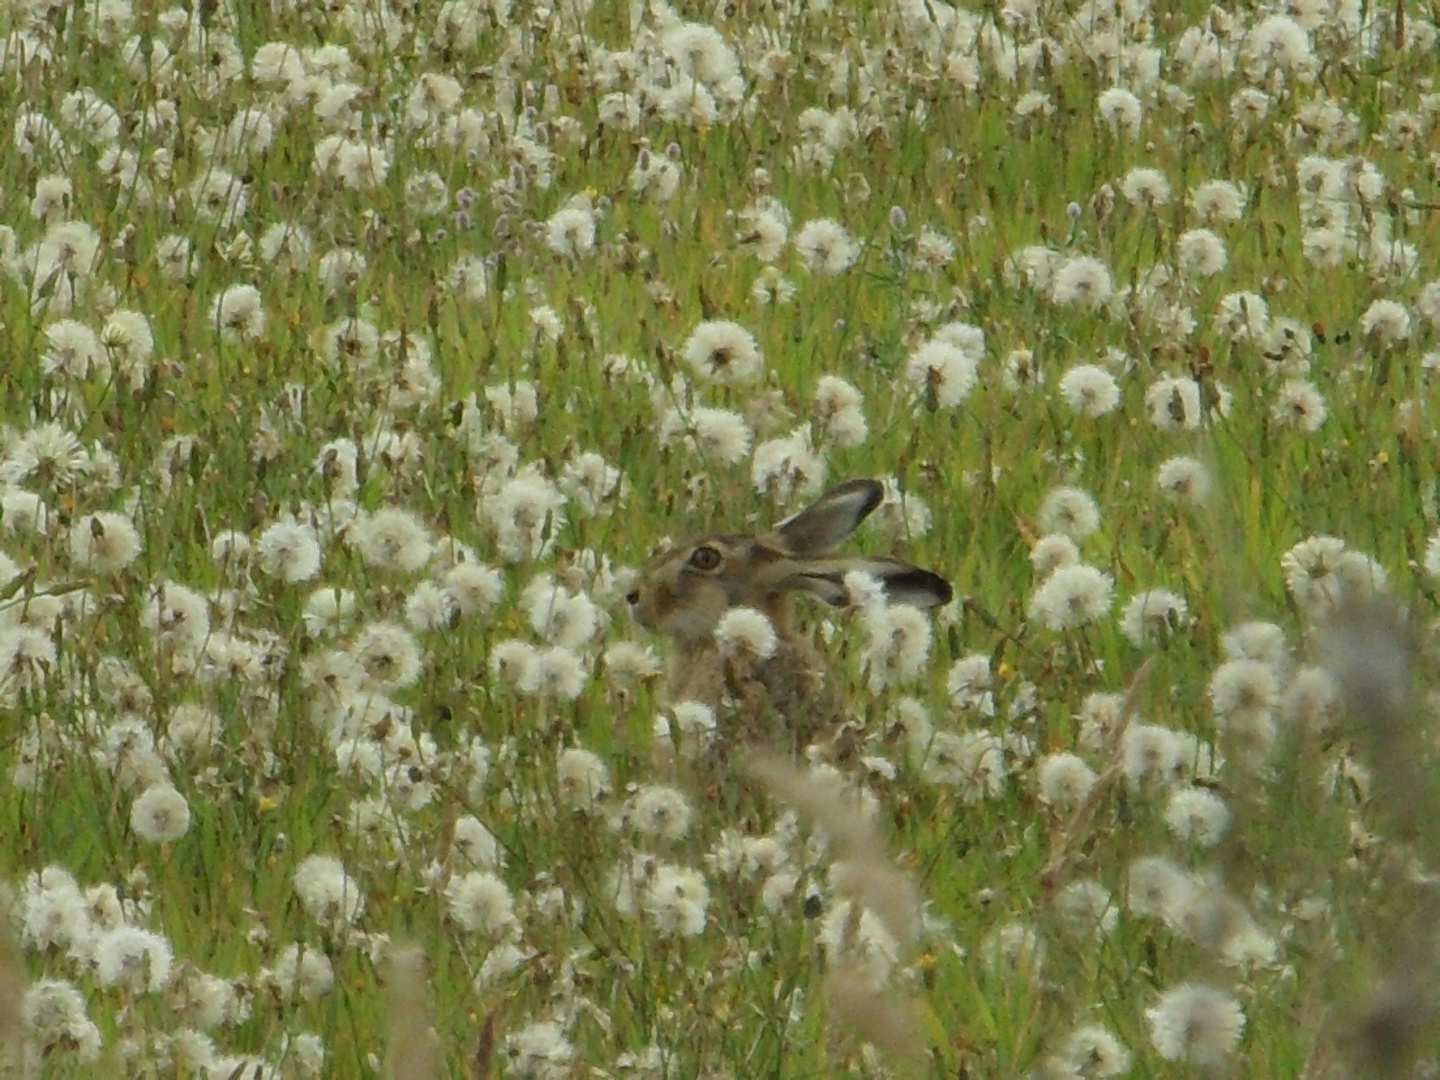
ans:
x=705 y=558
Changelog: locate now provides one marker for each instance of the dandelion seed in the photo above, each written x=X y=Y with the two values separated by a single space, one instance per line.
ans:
x=657 y=811
x=287 y=247
x=389 y=655
x=1158 y=887
x=560 y=616
x=933 y=250
x=1174 y=403
x=1052 y=552
x=1242 y=316
x=1197 y=815
x=160 y=815
x=193 y=731
x=300 y=971
x=766 y=228
x=1153 y=755
x=1183 y=479
x=133 y=958
x=656 y=176
x=1072 y=597
x=1310 y=568
x=570 y=232
x=327 y=608
x=473 y=587
x=866 y=943
x=676 y=900
x=539 y=1050
x=1299 y=404
x=481 y=903
x=1064 y=780
x=1201 y=253
x=972 y=762
x=693 y=722
x=525 y=513
x=584 y=779
x=74 y=352
x=556 y=672
x=1153 y=615
x=1032 y=104
x=744 y=631
x=724 y=352
x=1145 y=187
x=1082 y=280
x=788 y=466
x=238 y=314
x=1217 y=201
x=1090 y=390
x=629 y=662
x=57 y=1024
x=1035 y=268
x=48 y=456
x=1089 y=906
x=1386 y=322
x=826 y=248
x=1196 y=1023
x=1069 y=512
x=839 y=410
x=1120 y=110
x=1014 y=949
x=970 y=684
x=499 y=962
x=104 y=543
x=429 y=607
x=476 y=845
x=1312 y=699
x=1093 y=1051
x=897 y=645
x=944 y=369
x=330 y=895
x=290 y=551
x=178 y=616
x=392 y=538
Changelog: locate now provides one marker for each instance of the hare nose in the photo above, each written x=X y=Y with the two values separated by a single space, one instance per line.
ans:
x=632 y=597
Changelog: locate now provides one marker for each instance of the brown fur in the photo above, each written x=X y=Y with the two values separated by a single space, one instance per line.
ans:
x=788 y=698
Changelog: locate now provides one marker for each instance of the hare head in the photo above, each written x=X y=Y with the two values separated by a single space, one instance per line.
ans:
x=685 y=591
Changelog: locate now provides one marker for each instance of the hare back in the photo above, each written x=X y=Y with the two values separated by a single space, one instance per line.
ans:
x=785 y=699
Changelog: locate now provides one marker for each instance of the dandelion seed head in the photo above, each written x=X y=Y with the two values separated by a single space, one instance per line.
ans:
x=1153 y=615
x=826 y=248
x=481 y=903
x=104 y=543
x=1083 y=281
x=724 y=352
x=1069 y=512
x=1071 y=597
x=1064 y=780
x=1090 y=390
x=1196 y=1023
x=160 y=815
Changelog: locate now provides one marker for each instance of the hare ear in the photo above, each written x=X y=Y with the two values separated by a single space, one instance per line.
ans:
x=829 y=519
x=906 y=584
x=903 y=583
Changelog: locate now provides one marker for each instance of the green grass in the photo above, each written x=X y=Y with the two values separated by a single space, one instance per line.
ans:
x=1330 y=870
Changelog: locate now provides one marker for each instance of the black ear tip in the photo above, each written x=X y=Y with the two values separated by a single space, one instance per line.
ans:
x=920 y=587
x=872 y=489
x=943 y=589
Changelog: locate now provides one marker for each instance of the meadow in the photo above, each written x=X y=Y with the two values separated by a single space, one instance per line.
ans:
x=360 y=354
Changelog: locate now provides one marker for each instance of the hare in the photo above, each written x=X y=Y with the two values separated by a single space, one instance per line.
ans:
x=685 y=592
